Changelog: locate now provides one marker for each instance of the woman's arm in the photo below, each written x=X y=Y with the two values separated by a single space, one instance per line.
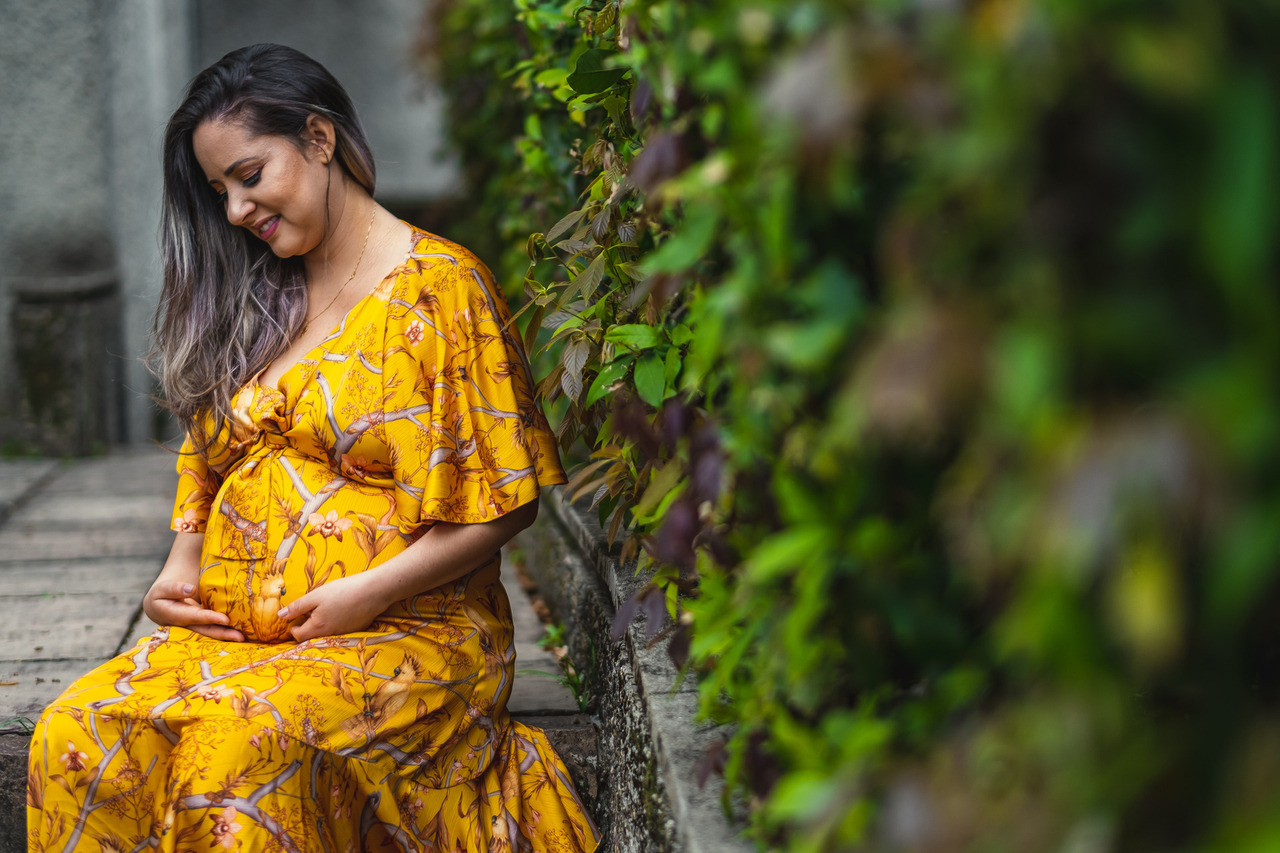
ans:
x=170 y=600
x=446 y=552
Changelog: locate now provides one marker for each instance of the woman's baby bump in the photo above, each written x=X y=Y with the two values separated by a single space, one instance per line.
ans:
x=251 y=592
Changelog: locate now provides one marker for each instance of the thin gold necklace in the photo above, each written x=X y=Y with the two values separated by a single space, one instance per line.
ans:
x=372 y=215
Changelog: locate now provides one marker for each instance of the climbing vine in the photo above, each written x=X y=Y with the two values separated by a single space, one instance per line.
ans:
x=925 y=355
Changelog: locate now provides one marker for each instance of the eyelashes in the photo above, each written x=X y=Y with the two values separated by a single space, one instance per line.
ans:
x=250 y=180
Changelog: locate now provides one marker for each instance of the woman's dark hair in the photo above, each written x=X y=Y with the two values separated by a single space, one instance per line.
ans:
x=229 y=306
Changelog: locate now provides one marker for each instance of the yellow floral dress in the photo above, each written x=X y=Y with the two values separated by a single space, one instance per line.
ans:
x=417 y=408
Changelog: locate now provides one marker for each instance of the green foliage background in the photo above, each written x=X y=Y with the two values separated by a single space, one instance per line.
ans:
x=926 y=353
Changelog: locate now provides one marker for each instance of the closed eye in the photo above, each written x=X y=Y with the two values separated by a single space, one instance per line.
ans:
x=249 y=181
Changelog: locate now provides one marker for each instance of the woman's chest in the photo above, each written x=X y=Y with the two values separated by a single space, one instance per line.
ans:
x=328 y=406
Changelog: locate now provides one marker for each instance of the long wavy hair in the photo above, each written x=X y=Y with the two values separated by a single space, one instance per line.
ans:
x=228 y=305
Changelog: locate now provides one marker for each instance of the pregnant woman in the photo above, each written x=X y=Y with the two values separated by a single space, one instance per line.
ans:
x=336 y=649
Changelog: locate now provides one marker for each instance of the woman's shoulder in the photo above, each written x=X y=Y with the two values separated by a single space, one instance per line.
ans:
x=439 y=271
x=431 y=253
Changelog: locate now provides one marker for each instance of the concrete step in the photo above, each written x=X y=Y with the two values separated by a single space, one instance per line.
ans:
x=20 y=477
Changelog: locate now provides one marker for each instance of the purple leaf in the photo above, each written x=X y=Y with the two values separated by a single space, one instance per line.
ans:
x=711 y=761
x=655 y=611
x=627 y=611
x=678 y=648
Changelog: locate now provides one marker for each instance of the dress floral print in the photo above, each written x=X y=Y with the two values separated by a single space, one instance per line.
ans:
x=418 y=408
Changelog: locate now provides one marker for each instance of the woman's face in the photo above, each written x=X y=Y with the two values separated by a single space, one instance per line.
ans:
x=267 y=184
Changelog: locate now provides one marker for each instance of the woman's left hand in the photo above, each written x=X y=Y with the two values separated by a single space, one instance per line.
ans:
x=446 y=552
x=341 y=606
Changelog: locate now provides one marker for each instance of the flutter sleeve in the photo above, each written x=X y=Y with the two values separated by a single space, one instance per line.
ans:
x=197 y=485
x=468 y=440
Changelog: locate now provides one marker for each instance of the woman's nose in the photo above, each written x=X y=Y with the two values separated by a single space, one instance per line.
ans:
x=239 y=209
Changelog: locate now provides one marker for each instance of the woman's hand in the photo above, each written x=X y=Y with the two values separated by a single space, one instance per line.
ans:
x=443 y=554
x=171 y=601
x=341 y=606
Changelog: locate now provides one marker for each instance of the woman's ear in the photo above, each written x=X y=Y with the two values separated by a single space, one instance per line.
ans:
x=319 y=137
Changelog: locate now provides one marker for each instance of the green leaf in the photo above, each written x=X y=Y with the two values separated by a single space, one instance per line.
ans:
x=586 y=282
x=1241 y=211
x=534 y=326
x=650 y=380
x=565 y=225
x=636 y=336
x=661 y=483
x=533 y=126
x=663 y=505
x=568 y=325
x=688 y=244
x=590 y=76
x=616 y=107
x=605 y=19
x=671 y=371
x=612 y=372
x=574 y=359
x=552 y=78
x=787 y=553
x=593 y=275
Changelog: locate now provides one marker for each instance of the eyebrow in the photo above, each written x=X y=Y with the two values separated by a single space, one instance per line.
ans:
x=236 y=165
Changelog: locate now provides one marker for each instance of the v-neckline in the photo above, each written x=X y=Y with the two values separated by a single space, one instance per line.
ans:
x=414 y=238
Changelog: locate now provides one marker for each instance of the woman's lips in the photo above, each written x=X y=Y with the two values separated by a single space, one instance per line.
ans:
x=269 y=228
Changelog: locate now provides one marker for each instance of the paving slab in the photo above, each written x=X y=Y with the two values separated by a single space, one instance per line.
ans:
x=19 y=477
x=34 y=542
x=66 y=627
x=529 y=627
x=532 y=693
x=537 y=689
x=63 y=511
x=27 y=687
x=144 y=472
x=142 y=628
x=114 y=574
x=76 y=556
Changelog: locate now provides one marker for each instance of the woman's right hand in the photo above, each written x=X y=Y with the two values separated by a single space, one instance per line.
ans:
x=171 y=599
x=171 y=602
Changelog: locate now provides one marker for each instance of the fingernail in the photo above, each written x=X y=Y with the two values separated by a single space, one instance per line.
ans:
x=283 y=613
x=188 y=589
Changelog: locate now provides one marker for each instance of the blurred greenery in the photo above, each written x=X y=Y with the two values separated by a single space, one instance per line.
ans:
x=925 y=353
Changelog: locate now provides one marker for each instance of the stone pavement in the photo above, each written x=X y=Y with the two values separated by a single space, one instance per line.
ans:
x=80 y=543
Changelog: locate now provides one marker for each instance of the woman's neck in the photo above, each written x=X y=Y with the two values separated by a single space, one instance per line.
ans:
x=329 y=264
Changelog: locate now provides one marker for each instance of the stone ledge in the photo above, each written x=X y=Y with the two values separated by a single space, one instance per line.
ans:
x=649 y=744
x=39 y=289
x=13 y=792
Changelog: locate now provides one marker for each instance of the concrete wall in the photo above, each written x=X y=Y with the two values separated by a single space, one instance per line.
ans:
x=150 y=56
x=54 y=177
x=53 y=132
x=86 y=87
x=368 y=46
